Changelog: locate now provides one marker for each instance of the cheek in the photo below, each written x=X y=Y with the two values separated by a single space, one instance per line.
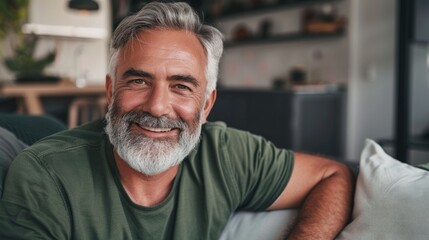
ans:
x=188 y=111
x=127 y=100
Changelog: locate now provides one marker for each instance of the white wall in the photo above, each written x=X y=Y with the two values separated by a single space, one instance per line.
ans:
x=371 y=82
x=74 y=56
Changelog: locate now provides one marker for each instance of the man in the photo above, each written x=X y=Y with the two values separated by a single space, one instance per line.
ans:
x=156 y=169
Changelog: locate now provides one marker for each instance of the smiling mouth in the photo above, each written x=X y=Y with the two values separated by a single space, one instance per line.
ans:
x=157 y=130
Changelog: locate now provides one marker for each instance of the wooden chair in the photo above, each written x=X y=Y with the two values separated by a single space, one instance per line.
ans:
x=83 y=110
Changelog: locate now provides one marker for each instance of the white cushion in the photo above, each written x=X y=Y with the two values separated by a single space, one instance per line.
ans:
x=391 y=201
x=260 y=225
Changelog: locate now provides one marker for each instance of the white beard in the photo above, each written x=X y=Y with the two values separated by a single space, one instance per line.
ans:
x=146 y=155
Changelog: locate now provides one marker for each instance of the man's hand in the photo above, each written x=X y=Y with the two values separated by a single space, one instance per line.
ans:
x=324 y=190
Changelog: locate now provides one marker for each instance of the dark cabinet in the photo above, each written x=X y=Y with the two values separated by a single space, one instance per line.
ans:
x=308 y=122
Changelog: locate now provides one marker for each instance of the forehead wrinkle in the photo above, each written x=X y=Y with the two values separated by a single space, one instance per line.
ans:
x=171 y=51
x=141 y=41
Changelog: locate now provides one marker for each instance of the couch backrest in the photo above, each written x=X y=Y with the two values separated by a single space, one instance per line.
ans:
x=18 y=131
x=29 y=128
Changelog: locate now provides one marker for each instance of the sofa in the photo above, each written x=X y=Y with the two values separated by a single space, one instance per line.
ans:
x=390 y=197
x=390 y=203
x=18 y=131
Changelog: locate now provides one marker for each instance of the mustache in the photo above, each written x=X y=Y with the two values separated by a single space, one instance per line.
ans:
x=147 y=120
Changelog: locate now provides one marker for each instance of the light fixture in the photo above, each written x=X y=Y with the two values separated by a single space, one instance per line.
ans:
x=89 y=5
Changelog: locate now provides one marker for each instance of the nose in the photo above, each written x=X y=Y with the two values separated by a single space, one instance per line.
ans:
x=158 y=101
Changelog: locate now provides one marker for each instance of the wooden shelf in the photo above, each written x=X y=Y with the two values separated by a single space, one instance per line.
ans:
x=289 y=37
x=65 y=32
x=282 y=5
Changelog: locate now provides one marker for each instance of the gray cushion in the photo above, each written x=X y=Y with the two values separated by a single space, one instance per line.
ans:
x=10 y=146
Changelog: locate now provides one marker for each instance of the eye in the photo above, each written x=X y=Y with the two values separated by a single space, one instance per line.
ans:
x=182 y=87
x=137 y=82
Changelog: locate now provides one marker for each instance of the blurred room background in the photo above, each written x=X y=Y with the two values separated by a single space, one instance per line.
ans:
x=315 y=75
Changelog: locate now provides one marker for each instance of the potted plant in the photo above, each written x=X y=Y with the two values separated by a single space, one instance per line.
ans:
x=13 y=13
x=26 y=67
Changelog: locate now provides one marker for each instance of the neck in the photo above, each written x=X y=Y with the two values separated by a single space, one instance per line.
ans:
x=145 y=190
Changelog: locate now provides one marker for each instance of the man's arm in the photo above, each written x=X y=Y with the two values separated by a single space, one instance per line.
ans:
x=324 y=190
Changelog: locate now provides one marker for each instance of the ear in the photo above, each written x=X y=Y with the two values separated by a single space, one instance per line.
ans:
x=209 y=104
x=109 y=88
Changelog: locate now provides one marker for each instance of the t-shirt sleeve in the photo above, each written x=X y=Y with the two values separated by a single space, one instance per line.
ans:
x=261 y=170
x=32 y=206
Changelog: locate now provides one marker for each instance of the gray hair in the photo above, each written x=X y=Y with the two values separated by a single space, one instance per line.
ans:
x=176 y=16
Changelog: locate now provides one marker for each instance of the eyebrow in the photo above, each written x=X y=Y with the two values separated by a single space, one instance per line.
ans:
x=136 y=73
x=140 y=73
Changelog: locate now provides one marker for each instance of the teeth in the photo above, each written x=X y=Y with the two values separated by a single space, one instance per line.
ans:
x=158 y=129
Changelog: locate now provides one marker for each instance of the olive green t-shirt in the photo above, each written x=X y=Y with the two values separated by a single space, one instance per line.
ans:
x=67 y=187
